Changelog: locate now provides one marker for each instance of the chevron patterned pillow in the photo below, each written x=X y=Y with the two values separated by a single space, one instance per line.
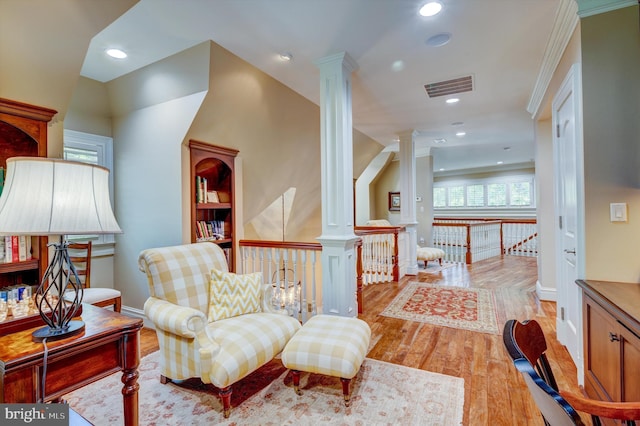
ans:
x=231 y=294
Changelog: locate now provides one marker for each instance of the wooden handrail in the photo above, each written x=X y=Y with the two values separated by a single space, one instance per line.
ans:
x=370 y=230
x=281 y=244
x=488 y=219
x=521 y=243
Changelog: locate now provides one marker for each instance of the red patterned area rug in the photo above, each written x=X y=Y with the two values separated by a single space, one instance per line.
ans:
x=466 y=308
x=381 y=394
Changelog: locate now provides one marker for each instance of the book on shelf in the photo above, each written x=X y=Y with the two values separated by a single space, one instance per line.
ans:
x=1 y=179
x=201 y=189
x=210 y=230
x=22 y=248
x=16 y=249
x=8 y=249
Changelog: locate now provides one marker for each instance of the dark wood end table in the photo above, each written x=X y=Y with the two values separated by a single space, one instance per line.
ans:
x=109 y=343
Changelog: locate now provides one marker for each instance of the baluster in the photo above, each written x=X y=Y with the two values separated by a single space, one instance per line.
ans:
x=303 y=286
x=366 y=253
x=313 y=283
x=286 y=278
x=243 y=258
x=268 y=258
x=296 y=283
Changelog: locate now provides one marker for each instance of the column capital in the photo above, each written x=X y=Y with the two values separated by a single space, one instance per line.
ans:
x=342 y=57
x=407 y=135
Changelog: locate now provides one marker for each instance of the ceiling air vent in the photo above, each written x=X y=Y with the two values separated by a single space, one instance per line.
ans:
x=449 y=87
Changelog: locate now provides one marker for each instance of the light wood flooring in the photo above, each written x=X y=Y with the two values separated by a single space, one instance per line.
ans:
x=495 y=393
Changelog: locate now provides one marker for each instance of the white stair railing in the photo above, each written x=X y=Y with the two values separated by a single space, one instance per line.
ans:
x=293 y=270
x=380 y=253
x=451 y=237
x=470 y=240
x=520 y=238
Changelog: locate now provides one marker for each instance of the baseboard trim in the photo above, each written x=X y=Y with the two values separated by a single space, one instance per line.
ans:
x=546 y=293
x=137 y=313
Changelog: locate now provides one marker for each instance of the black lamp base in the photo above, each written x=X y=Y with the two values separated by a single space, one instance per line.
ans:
x=74 y=327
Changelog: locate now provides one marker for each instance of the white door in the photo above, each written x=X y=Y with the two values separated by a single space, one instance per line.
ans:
x=567 y=140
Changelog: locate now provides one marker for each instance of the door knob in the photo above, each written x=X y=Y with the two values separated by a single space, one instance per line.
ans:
x=613 y=337
x=572 y=251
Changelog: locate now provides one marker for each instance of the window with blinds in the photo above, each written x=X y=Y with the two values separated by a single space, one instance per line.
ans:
x=92 y=149
x=475 y=195
x=490 y=193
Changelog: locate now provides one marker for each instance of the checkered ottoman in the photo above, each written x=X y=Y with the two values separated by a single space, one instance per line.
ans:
x=328 y=344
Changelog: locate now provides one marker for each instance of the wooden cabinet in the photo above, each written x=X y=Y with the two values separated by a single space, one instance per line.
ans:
x=611 y=339
x=23 y=132
x=212 y=197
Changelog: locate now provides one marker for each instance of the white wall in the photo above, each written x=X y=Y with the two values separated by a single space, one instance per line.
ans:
x=365 y=187
x=545 y=183
x=148 y=186
x=611 y=98
x=424 y=208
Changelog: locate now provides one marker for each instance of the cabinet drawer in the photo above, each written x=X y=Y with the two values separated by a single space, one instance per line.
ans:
x=87 y=366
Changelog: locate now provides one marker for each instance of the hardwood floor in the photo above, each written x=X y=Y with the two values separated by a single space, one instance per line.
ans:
x=495 y=393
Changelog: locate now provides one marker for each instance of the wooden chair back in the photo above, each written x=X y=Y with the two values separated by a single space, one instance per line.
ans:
x=526 y=345
x=80 y=255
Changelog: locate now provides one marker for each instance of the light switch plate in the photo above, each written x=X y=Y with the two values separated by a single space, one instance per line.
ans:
x=618 y=212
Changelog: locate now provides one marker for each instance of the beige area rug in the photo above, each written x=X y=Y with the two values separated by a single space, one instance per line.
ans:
x=382 y=393
x=466 y=308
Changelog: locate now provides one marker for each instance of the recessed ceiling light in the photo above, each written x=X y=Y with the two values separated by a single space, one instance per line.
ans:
x=397 y=65
x=442 y=170
x=439 y=141
x=286 y=56
x=430 y=9
x=439 y=39
x=452 y=100
x=500 y=162
x=116 y=53
x=461 y=134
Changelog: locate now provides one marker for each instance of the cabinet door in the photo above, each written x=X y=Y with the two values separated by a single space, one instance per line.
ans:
x=630 y=347
x=602 y=352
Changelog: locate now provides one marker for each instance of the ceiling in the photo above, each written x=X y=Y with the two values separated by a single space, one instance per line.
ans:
x=499 y=43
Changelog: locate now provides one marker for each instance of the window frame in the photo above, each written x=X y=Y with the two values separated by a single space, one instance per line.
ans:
x=102 y=146
x=507 y=181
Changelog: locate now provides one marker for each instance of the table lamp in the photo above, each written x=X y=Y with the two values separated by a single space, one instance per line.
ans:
x=53 y=197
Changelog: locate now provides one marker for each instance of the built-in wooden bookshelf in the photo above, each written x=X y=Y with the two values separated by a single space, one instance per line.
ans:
x=23 y=133
x=212 y=198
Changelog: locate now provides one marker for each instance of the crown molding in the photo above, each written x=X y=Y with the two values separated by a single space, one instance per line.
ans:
x=595 y=7
x=563 y=28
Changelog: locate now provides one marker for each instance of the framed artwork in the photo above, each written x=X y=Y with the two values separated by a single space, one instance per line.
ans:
x=394 y=201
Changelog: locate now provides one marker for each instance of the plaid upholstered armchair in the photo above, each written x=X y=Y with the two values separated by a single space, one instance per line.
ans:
x=210 y=323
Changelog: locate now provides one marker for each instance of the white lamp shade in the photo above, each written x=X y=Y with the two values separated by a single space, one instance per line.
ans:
x=47 y=196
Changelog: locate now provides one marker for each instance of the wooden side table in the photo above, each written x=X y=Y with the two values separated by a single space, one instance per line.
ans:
x=109 y=343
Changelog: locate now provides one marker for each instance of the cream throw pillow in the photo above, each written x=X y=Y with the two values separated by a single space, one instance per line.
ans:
x=231 y=295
